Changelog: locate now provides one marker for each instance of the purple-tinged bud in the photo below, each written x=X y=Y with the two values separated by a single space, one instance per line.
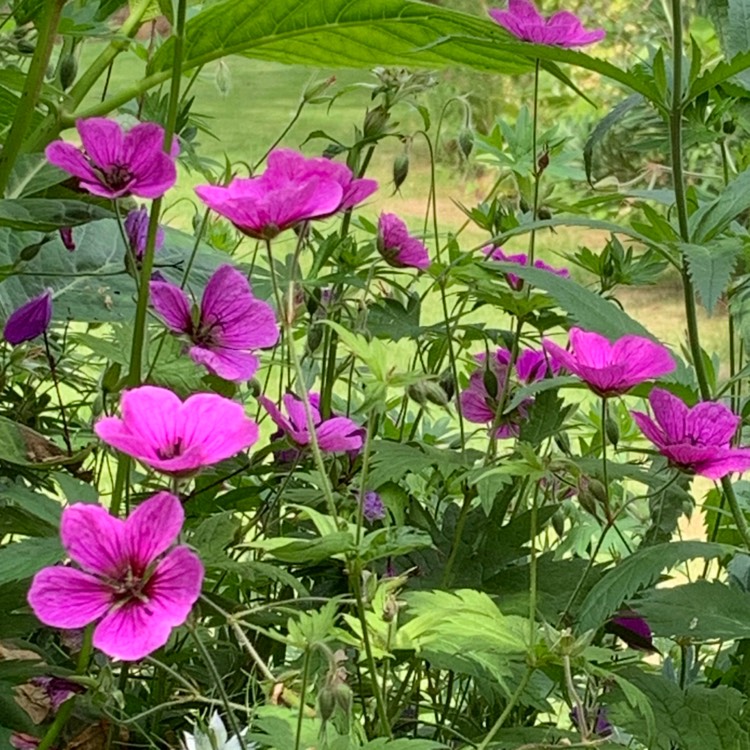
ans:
x=66 y=235
x=372 y=507
x=630 y=627
x=136 y=228
x=58 y=689
x=29 y=320
x=601 y=728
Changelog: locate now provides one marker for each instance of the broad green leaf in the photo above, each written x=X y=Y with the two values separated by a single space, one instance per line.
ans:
x=47 y=214
x=213 y=534
x=20 y=560
x=724 y=71
x=711 y=267
x=703 y=610
x=738 y=27
x=289 y=549
x=403 y=743
x=640 y=570
x=714 y=217
x=588 y=309
x=38 y=513
x=31 y=174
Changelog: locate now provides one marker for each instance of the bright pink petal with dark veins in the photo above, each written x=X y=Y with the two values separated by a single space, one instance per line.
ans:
x=560 y=356
x=152 y=528
x=172 y=305
x=113 y=431
x=298 y=417
x=95 y=539
x=474 y=401
x=671 y=413
x=644 y=359
x=131 y=632
x=66 y=156
x=733 y=459
x=276 y=414
x=176 y=585
x=237 y=320
x=711 y=423
x=356 y=192
x=590 y=348
x=607 y=380
x=649 y=428
x=103 y=140
x=229 y=364
x=143 y=142
x=188 y=461
x=339 y=434
x=68 y=598
x=152 y=413
x=153 y=180
x=102 y=190
x=217 y=425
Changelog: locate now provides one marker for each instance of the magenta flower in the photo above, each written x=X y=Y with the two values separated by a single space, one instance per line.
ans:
x=632 y=629
x=30 y=320
x=114 y=164
x=177 y=437
x=136 y=229
x=515 y=282
x=335 y=435
x=696 y=440
x=562 y=29
x=611 y=369
x=292 y=190
x=398 y=247
x=231 y=322
x=480 y=405
x=126 y=582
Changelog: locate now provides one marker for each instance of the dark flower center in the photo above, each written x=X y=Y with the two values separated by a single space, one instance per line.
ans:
x=133 y=585
x=117 y=177
x=170 y=451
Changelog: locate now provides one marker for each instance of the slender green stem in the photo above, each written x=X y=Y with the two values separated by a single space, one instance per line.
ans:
x=56 y=383
x=533 y=572
x=219 y=684
x=509 y=706
x=303 y=692
x=32 y=88
x=605 y=470
x=534 y=163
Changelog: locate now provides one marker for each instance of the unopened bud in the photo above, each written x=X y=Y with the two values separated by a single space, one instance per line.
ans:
x=400 y=169
x=25 y=47
x=326 y=702
x=612 y=430
x=111 y=377
x=68 y=71
x=314 y=337
x=544 y=213
x=489 y=379
x=448 y=384
x=729 y=126
x=435 y=394
x=223 y=78
x=375 y=122
x=342 y=696
x=466 y=141
x=542 y=163
x=254 y=387
x=315 y=89
x=31 y=251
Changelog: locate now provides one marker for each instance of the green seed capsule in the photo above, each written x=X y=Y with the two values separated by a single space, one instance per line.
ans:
x=68 y=71
x=400 y=170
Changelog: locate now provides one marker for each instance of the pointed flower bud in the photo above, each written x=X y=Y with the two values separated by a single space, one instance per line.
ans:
x=66 y=235
x=29 y=320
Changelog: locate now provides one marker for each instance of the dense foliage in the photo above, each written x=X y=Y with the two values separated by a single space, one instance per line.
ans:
x=280 y=472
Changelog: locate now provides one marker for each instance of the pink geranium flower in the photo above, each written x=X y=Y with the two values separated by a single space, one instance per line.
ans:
x=497 y=253
x=561 y=29
x=335 y=435
x=480 y=405
x=125 y=580
x=697 y=440
x=231 y=322
x=610 y=369
x=292 y=190
x=114 y=164
x=177 y=437
x=398 y=247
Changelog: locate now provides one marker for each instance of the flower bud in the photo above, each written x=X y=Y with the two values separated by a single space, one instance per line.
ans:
x=29 y=320
x=542 y=162
x=68 y=71
x=448 y=384
x=544 y=213
x=31 y=251
x=66 y=236
x=435 y=394
x=342 y=696
x=315 y=89
x=729 y=126
x=466 y=141
x=314 y=337
x=326 y=702
x=223 y=78
x=375 y=122
x=612 y=430
x=400 y=170
x=490 y=382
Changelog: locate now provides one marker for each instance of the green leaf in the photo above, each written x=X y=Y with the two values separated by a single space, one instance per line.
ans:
x=588 y=309
x=20 y=560
x=738 y=26
x=40 y=514
x=636 y=572
x=31 y=174
x=711 y=267
x=47 y=214
x=714 y=217
x=214 y=534
x=724 y=71
x=702 y=610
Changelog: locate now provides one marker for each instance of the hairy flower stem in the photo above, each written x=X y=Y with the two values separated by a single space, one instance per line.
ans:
x=56 y=382
x=537 y=173
x=509 y=706
x=48 y=24
x=605 y=470
x=219 y=683
x=135 y=371
x=678 y=176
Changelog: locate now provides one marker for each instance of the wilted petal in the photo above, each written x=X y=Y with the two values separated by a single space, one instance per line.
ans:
x=68 y=598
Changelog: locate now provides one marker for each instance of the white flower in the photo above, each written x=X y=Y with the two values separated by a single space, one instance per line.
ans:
x=215 y=738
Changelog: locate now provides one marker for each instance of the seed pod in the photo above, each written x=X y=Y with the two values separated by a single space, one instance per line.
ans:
x=326 y=702
x=544 y=213
x=111 y=377
x=448 y=384
x=31 y=251
x=314 y=337
x=400 y=169
x=490 y=382
x=315 y=89
x=434 y=393
x=542 y=162
x=466 y=141
x=612 y=430
x=68 y=71
x=375 y=122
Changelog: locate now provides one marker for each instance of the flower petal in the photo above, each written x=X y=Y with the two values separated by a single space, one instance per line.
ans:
x=172 y=305
x=339 y=434
x=152 y=528
x=176 y=585
x=711 y=423
x=229 y=364
x=95 y=539
x=103 y=140
x=69 y=158
x=131 y=632
x=152 y=413
x=68 y=598
x=671 y=413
